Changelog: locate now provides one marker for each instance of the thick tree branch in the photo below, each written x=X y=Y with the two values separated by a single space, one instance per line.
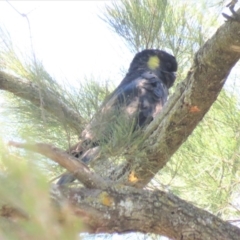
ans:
x=120 y=209
x=29 y=91
x=191 y=101
x=80 y=170
x=123 y=209
x=185 y=109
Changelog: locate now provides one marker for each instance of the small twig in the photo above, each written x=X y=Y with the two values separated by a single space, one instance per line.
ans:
x=12 y=212
x=27 y=90
x=80 y=170
x=34 y=58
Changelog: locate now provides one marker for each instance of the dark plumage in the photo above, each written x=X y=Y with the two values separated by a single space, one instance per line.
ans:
x=137 y=100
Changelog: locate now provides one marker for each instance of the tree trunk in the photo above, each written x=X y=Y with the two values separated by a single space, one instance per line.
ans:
x=127 y=209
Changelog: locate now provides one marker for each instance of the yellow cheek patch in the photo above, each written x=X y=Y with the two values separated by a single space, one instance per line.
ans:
x=153 y=62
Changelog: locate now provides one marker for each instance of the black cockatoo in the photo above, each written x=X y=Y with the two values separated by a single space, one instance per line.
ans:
x=138 y=99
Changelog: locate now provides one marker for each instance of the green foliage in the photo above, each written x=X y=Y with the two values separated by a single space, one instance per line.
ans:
x=21 y=111
x=30 y=213
x=24 y=120
x=138 y=22
x=205 y=169
x=179 y=26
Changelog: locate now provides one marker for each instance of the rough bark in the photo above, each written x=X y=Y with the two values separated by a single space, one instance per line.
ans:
x=189 y=103
x=192 y=99
x=120 y=209
x=116 y=208
x=185 y=109
x=81 y=171
x=29 y=91
x=126 y=209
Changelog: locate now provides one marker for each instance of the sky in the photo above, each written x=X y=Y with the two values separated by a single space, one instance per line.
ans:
x=71 y=41
x=68 y=37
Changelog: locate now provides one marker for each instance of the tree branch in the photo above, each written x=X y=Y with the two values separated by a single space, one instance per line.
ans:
x=29 y=91
x=80 y=170
x=119 y=208
x=124 y=209
x=190 y=102
x=185 y=109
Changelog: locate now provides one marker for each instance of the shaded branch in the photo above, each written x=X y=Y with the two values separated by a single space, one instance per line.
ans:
x=124 y=209
x=80 y=170
x=190 y=102
x=7 y=211
x=29 y=91
x=185 y=109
